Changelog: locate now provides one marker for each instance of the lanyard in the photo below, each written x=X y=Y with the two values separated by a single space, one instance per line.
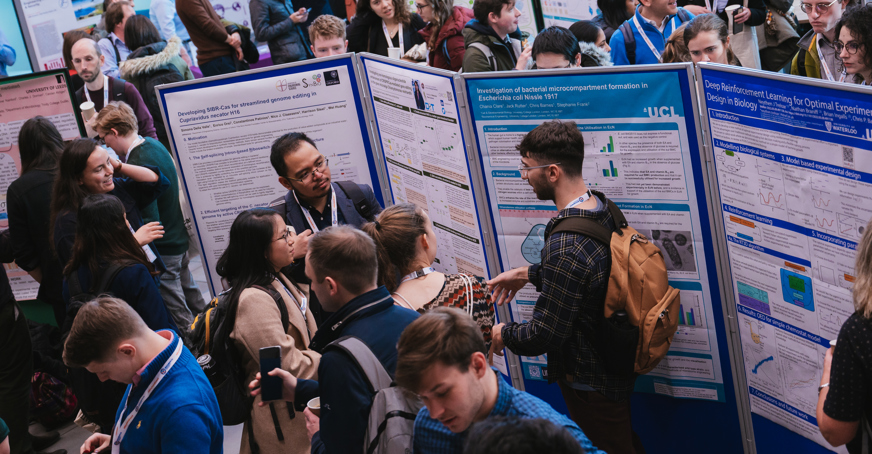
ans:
x=135 y=144
x=334 y=221
x=303 y=305
x=718 y=5
x=416 y=274
x=390 y=42
x=824 y=63
x=583 y=198
x=121 y=427
x=645 y=36
x=147 y=249
x=105 y=91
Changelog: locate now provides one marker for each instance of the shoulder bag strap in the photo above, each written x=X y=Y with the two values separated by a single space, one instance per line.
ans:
x=370 y=365
x=107 y=277
x=629 y=41
x=352 y=191
x=280 y=302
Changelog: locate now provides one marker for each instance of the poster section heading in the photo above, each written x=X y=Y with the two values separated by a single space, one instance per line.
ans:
x=419 y=130
x=224 y=159
x=793 y=175
x=20 y=100
x=641 y=162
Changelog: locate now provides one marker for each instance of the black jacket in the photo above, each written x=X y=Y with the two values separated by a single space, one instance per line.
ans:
x=758 y=9
x=272 y=24
x=365 y=28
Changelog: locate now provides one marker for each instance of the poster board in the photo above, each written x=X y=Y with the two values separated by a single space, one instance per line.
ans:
x=792 y=163
x=644 y=155
x=11 y=28
x=226 y=125
x=564 y=13
x=22 y=98
x=45 y=21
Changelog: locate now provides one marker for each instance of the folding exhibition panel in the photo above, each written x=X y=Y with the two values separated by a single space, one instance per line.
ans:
x=420 y=130
x=221 y=130
x=47 y=94
x=642 y=149
x=790 y=159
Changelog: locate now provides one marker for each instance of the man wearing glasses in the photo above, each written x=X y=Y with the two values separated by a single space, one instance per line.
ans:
x=572 y=279
x=314 y=202
x=817 y=57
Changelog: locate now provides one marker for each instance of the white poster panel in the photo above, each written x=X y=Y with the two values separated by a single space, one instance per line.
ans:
x=47 y=21
x=222 y=131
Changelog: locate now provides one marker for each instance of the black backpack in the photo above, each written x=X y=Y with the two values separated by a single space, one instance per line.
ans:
x=97 y=400
x=630 y=38
x=352 y=191
x=217 y=355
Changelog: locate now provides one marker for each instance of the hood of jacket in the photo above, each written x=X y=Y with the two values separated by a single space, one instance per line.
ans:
x=476 y=32
x=458 y=19
x=596 y=54
x=148 y=59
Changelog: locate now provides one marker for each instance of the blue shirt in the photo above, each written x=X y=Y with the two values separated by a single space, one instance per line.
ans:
x=644 y=55
x=432 y=437
x=108 y=45
x=163 y=15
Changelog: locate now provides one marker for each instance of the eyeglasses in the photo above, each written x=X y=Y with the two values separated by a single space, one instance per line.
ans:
x=852 y=47
x=287 y=235
x=320 y=167
x=101 y=140
x=420 y=7
x=524 y=169
x=821 y=8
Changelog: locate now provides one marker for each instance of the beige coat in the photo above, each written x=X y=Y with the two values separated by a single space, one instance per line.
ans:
x=258 y=324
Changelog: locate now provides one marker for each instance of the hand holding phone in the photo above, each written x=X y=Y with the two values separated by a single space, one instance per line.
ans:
x=270 y=387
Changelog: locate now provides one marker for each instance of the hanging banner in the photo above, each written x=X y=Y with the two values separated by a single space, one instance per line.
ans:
x=22 y=98
x=640 y=155
x=794 y=178
x=222 y=128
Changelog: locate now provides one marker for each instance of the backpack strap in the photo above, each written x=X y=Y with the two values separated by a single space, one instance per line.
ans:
x=277 y=297
x=629 y=41
x=280 y=206
x=585 y=226
x=370 y=365
x=361 y=204
x=683 y=15
x=107 y=277
x=118 y=86
x=488 y=53
x=74 y=284
x=445 y=51
x=800 y=63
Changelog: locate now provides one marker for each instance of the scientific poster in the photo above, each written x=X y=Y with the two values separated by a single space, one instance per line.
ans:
x=22 y=98
x=418 y=126
x=640 y=155
x=793 y=173
x=48 y=20
x=222 y=131
x=564 y=13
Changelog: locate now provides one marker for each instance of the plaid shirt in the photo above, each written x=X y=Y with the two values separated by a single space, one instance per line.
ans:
x=572 y=278
x=432 y=437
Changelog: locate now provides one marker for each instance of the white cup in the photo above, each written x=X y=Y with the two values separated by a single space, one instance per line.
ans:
x=87 y=109
x=730 y=10
x=394 y=52
x=314 y=406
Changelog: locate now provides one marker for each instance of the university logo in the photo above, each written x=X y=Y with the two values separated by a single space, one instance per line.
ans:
x=829 y=125
x=331 y=78
x=284 y=85
x=316 y=79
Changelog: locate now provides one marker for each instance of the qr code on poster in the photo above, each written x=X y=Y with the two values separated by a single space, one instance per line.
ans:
x=848 y=155
x=534 y=371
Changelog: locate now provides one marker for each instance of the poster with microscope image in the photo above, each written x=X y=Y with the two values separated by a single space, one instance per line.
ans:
x=47 y=20
x=22 y=98
x=640 y=155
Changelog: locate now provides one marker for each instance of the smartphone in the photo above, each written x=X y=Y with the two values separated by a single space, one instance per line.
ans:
x=737 y=28
x=270 y=387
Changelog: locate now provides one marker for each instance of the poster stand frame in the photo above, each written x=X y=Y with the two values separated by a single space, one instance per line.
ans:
x=25 y=33
x=380 y=172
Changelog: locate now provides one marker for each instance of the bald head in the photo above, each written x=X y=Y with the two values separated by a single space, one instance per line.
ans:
x=87 y=59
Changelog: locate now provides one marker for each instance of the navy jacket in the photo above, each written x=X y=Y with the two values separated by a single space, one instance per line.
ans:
x=272 y=24
x=346 y=394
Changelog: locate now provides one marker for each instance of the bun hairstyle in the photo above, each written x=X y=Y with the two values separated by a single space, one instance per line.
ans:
x=396 y=233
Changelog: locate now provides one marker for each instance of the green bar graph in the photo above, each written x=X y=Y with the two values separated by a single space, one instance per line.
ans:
x=614 y=170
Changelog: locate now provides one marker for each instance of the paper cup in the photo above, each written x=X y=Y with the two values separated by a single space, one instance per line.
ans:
x=314 y=406
x=87 y=109
x=731 y=10
x=833 y=343
x=394 y=52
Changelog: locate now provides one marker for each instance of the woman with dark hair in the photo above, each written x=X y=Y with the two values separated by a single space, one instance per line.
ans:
x=853 y=41
x=103 y=240
x=406 y=246
x=612 y=14
x=86 y=168
x=443 y=33
x=152 y=62
x=259 y=246
x=70 y=38
x=384 y=24
x=29 y=206
x=707 y=39
x=592 y=43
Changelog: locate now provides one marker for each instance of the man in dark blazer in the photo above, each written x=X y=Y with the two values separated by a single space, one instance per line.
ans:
x=314 y=202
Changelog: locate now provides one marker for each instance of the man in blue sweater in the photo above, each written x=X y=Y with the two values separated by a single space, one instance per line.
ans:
x=169 y=406
x=342 y=265
x=650 y=27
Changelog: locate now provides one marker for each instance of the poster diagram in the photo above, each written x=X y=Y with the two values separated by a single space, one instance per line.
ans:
x=794 y=184
x=564 y=13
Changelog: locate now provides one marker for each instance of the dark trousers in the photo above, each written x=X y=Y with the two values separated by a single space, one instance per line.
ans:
x=605 y=422
x=218 y=66
x=16 y=371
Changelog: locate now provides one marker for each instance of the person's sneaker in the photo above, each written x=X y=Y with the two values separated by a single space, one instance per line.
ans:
x=40 y=442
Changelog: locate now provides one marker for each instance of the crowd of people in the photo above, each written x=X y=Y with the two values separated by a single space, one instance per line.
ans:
x=98 y=223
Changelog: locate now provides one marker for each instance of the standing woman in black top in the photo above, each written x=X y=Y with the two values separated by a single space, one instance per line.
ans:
x=29 y=206
x=378 y=19
x=845 y=393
